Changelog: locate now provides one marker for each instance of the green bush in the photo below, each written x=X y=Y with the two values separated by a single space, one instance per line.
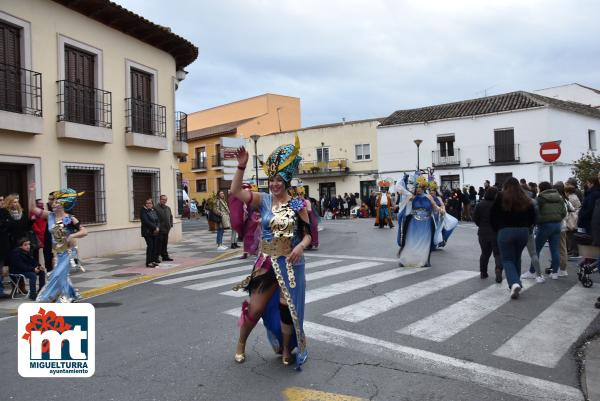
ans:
x=586 y=167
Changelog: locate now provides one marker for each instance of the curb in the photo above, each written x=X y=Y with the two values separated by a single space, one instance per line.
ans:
x=94 y=292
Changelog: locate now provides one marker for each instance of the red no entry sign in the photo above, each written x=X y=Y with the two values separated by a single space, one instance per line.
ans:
x=550 y=151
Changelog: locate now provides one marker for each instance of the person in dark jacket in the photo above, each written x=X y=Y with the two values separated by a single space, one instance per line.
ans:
x=592 y=194
x=512 y=216
x=4 y=245
x=165 y=223
x=454 y=204
x=18 y=222
x=150 y=230
x=486 y=234
x=552 y=210
x=20 y=261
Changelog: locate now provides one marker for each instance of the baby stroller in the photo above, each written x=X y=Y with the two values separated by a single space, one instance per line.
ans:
x=589 y=262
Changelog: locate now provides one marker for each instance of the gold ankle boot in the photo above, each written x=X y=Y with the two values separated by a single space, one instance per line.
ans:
x=240 y=358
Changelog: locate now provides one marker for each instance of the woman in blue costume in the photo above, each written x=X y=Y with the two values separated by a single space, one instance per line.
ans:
x=65 y=229
x=444 y=222
x=277 y=283
x=415 y=219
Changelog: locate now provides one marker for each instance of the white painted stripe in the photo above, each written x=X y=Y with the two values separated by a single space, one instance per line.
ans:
x=320 y=274
x=504 y=381
x=449 y=321
x=548 y=337
x=6 y=318
x=212 y=266
x=495 y=379
x=374 y=306
x=351 y=257
x=550 y=151
x=344 y=287
x=237 y=279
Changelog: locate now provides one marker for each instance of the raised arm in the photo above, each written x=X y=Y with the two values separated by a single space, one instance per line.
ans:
x=236 y=184
x=39 y=213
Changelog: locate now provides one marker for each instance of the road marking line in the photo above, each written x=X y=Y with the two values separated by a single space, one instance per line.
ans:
x=549 y=336
x=374 y=306
x=237 y=279
x=211 y=266
x=447 y=322
x=344 y=287
x=374 y=259
x=320 y=274
x=304 y=394
x=452 y=368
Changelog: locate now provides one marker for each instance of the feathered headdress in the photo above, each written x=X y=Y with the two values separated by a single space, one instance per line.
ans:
x=67 y=198
x=284 y=161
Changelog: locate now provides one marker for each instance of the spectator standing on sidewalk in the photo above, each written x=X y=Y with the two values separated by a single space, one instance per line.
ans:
x=222 y=210
x=39 y=227
x=18 y=223
x=20 y=261
x=488 y=241
x=564 y=256
x=165 y=223
x=4 y=245
x=150 y=231
x=592 y=194
x=571 y=192
x=512 y=216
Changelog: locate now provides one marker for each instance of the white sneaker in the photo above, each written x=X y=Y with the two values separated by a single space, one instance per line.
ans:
x=222 y=248
x=540 y=279
x=563 y=273
x=514 y=291
x=554 y=276
x=528 y=275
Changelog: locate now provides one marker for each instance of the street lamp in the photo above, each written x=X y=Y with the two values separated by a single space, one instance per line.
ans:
x=255 y=139
x=418 y=142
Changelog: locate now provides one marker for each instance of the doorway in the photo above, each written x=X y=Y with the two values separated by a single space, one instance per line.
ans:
x=327 y=190
x=366 y=187
x=13 y=179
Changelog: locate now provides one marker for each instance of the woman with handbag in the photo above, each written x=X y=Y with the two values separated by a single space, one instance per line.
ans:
x=222 y=220
x=571 y=192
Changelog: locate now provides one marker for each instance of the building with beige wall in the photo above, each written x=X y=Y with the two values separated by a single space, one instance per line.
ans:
x=337 y=158
x=88 y=101
x=203 y=170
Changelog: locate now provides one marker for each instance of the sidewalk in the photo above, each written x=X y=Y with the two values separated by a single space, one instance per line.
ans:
x=123 y=269
x=590 y=378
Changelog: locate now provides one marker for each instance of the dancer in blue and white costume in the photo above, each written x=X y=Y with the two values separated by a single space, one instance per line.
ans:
x=422 y=224
x=444 y=223
x=277 y=282
x=65 y=229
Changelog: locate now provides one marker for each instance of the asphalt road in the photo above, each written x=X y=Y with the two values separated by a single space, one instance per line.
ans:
x=375 y=331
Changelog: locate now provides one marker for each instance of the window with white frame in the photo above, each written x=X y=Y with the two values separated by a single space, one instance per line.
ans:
x=201 y=185
x=592 y=139
x=144 y=183
x=90 y=208
x=363 y=151
x=323 y=155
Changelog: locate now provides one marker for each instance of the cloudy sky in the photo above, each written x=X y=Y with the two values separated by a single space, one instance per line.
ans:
x=363 y=59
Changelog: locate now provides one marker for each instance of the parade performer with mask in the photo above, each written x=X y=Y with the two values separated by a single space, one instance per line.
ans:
x=277 y=282
x=65 y=229
x=245 y=220
x=384 y=205
x=416 y=226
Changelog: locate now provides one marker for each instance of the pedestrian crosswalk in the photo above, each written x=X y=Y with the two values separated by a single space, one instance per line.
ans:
x=337 y=280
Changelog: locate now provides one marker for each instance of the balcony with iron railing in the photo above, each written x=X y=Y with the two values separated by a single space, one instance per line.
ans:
x=84 y=112
x=180 y=146
x=20 y=100
x=328 y=168
x=198 y=164
x=216 y=161
x=146 y=124
x=506 y=154
x=445 y=159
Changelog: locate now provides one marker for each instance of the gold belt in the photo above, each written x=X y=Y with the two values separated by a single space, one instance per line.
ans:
x=276 y=247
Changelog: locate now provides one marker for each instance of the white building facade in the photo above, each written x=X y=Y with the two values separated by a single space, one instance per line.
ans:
x=491 y=138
